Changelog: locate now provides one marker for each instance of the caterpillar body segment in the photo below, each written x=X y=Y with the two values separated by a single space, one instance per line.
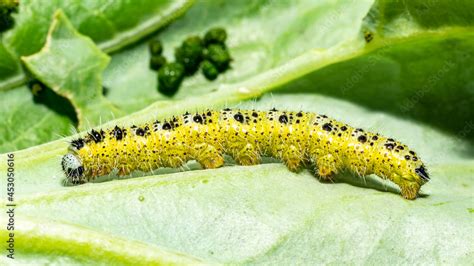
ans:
x=296 y=138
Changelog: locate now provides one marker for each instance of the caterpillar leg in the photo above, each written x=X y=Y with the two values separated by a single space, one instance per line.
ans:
x=248 y=155
x=409 y=189
x=123 y=170
x=208 y=156
x=326 y=166
x=292 y=158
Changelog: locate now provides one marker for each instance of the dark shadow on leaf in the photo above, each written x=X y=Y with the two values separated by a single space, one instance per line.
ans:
x=371 y=181
x=58 y=104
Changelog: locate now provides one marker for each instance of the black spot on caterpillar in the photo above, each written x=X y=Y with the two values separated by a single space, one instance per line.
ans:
x=296 y=138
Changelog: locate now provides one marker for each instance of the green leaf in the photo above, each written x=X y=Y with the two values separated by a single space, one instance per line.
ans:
x=309 y=58
x=27 y=120
x=396 y=72
x=8 y=65
x=44 y=241
x=265 y=213
x=398 y=75
x=422 y=14
x=111 y=26
x=71 y=65
x=270 y=43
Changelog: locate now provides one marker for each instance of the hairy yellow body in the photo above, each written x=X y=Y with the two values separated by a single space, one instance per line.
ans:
x=296 y=138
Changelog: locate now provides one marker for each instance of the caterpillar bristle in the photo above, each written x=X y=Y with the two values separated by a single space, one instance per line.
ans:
x=296 y=138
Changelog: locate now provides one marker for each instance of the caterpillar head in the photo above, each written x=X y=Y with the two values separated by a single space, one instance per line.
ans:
x=413 y=169
x=73 y=168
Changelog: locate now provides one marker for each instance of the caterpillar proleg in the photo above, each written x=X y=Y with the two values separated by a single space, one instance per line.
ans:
x=296 y=138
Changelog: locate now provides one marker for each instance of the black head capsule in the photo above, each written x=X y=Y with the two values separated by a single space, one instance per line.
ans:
x=75 y=174
x=73 y=168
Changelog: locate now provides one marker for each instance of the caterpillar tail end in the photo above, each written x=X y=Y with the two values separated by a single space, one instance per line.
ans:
x=73 y=168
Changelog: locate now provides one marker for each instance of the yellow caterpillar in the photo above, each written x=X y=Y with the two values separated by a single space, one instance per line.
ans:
x=296 y=138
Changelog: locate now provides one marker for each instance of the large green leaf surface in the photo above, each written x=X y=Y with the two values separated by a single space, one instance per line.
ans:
x=312 y=56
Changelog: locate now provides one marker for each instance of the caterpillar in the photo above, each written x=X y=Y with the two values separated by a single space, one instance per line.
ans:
x=296 y=138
